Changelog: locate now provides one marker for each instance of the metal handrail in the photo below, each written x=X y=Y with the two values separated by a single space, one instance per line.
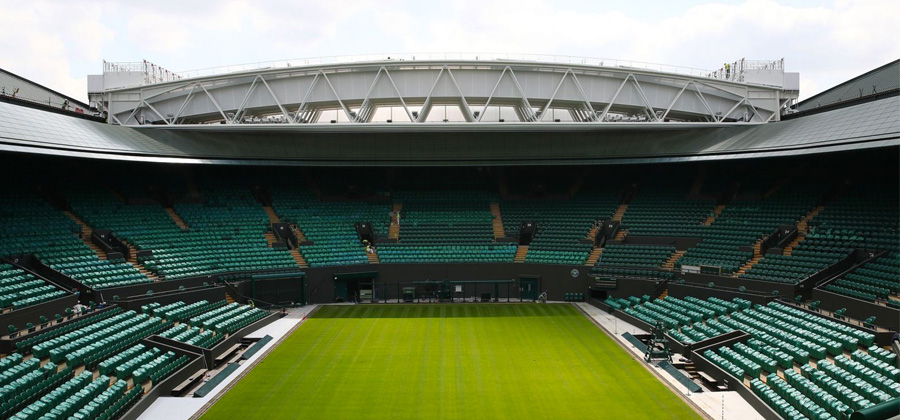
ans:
x=474 y=56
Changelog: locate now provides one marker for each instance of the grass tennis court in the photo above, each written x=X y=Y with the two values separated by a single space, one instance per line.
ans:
x=497 y=361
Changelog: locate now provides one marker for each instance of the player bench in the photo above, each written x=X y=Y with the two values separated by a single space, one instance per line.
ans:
x=188 y=383
x=227 y=353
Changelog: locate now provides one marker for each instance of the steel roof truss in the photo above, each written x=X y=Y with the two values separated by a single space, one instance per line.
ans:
x=275 y=98
x=240 y=110
x=301 y=108
x=184 y=104
x=215 y=103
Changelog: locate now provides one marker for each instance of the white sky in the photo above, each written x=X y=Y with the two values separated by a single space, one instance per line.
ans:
x=58 y=43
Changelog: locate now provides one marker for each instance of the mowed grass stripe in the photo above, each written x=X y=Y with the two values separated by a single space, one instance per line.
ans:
x=504 y=361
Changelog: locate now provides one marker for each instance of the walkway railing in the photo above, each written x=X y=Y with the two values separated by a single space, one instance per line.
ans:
x=346 y=59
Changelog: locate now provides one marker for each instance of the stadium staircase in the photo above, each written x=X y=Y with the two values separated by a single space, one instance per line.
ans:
x=620 y=211
x=271 y=239
x=86 y=232
x=594 y=257
x=778 y=184
x=299 y=233
x=697 y=186
x=670 y=263
x=228 y=298
x=596 y=251
x=273 y=217
x=314 y=186
x=757 y=255
x=617 y=217
x=802 y=229
x=498 y=221
x=521 y=252
x=116 y=194
x=192 y=185
x=718 y=210
x=576 y=186
x=592 y=233
x=504 y=184
x=394 y=230
x=691 y=369
x=295 y=253
x=175 y=217
x=373 y=257
x=133 y=260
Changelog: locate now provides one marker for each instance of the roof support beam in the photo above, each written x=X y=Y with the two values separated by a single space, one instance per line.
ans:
x=275 y=98
x=699 y=94
x=463 y=104
x=306 y=98
x=587 y=102
x=237 y=114
x=157 y=113
x=524 y=111
x=340 y=102
x=675 y=99
x=553 y=96
x=215 y=103
x=184 y=104
x=651 y=113
x=402 y=101
x=615 y=96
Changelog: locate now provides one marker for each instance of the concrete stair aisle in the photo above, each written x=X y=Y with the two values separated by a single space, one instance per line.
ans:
x=270 y=238
x=788 y=250
x=503 y=182
x=803 y=225
x=617 y=217
x=497 y=222
x=192 y=184
x=373 y=257
x=670 y=263
x=273 y=217
x=394 y=229
x=177 y=219
x=697 y=186
x=802 y=229
x=594 y=256
x=521 y=253
x=718 y=210
x=664 y=294
x=691 y=369
x=576 y=186
x=313 y=186
x=298 y=257
x=298 y=233
x=228 y=298
x=116 y=194
x=778 y=184
x=86 y=232
x=757 y=255
x=133 y=260
x=620 y=212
